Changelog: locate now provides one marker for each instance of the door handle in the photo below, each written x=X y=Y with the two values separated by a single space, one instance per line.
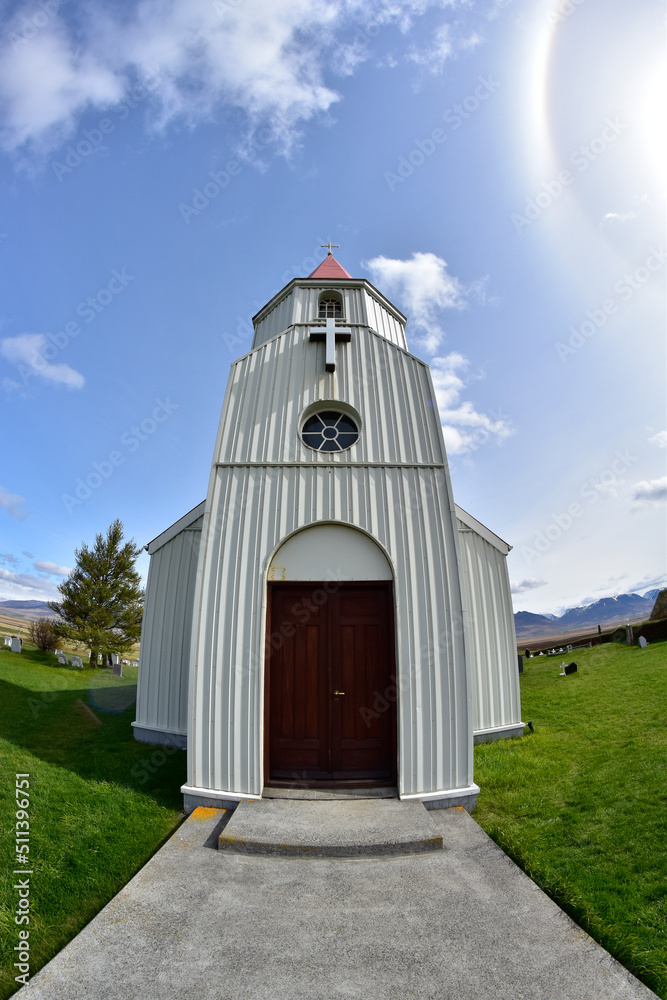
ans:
x=339 y=692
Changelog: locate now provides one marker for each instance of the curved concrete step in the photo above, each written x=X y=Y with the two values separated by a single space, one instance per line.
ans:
x=330 y=829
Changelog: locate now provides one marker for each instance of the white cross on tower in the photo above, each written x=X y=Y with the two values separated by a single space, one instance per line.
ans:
x=330 y=334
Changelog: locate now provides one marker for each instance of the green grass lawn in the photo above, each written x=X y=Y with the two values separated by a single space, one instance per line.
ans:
x=100 y=802
x=580 y=805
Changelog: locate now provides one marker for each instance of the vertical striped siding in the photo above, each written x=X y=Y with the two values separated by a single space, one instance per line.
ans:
x=492 y=640
x=270 y=388
x=162 y=691
x=226 y=723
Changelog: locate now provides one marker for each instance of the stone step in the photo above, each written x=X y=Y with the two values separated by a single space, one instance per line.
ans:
x=329 y=794
x=330 y=829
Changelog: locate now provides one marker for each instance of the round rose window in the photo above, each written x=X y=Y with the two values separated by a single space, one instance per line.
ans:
x=330 y=430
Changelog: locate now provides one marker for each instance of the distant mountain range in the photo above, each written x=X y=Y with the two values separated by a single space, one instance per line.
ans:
x=26 y=609
x=606 y=612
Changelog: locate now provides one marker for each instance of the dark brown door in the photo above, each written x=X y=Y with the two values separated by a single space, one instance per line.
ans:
x=331 y=685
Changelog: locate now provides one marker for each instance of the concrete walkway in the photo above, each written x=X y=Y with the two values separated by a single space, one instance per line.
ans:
x=458 y=922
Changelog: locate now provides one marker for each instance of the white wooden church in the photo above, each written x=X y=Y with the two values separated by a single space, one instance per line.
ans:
x=328 y=616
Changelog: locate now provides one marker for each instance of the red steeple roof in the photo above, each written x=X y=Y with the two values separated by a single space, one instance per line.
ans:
x=329 y=268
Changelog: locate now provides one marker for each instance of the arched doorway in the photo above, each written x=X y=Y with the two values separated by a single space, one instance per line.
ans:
x=330 y=664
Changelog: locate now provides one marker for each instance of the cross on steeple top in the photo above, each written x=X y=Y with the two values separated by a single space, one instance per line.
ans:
x=330 y=246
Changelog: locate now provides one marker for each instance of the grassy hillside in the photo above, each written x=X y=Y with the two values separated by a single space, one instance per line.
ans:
x=580 y=804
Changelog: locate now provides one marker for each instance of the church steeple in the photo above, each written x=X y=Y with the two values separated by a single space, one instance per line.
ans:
x=329 y=292
x=330 y=268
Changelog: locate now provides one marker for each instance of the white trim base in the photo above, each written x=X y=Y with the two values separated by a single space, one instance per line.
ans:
x=159 y=737
x=448 y=799
x=499 y=733
x=212 y=797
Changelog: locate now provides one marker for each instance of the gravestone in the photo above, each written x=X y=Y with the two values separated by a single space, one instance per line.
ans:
x=643 y=643
x=569 y=668
x=115 y=659
x=62 y=659
x=76 y=661
x=8 y=640
x=629 y=637
x=117 y=669
x=520 y=663
x=16 y=645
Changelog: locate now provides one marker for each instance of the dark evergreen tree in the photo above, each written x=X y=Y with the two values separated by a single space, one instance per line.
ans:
x=102 y=600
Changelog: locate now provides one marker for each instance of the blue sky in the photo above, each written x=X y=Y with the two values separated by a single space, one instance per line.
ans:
x=495 y=168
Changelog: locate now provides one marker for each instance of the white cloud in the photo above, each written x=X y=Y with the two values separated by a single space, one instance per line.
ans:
x=659 y=439
x=423 y=287
x=267 y=58
x=530 y=583
x=9 y=557
x=16 y=585
x=434 y=58
x=649 y=492
x=27 y=351
x=13 y=504
x=464 y=428
x=53 y=568
x=611 y=217
x=46 y=82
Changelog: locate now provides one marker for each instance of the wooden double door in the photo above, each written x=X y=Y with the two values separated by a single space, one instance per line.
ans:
x=331 y=691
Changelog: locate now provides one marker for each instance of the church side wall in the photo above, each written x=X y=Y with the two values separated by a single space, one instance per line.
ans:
x=491 y=639
x=162 y=692
x=408 y=511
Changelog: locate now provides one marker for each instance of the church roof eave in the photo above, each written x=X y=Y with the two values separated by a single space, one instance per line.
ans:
x=481 y=529
x=175 y=528
x=328 y=282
